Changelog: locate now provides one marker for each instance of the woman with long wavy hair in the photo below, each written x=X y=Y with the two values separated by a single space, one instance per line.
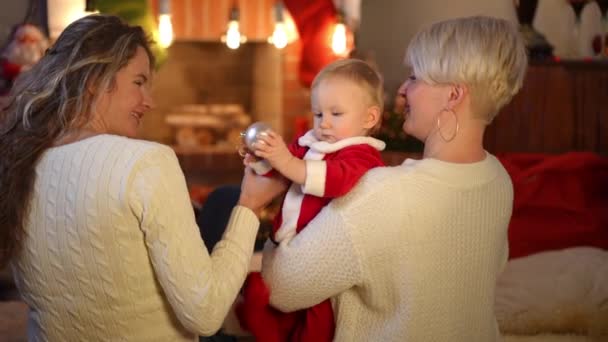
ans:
x=97 y=225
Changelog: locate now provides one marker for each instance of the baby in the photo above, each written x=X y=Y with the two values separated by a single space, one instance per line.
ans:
x=325 y=163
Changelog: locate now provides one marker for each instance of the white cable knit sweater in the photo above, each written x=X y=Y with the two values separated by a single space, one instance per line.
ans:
x=412 y=253
x=113 y=253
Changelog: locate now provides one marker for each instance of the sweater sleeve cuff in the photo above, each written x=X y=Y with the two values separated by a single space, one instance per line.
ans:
x=242 y=227
x=261 y=167
x=316 y=173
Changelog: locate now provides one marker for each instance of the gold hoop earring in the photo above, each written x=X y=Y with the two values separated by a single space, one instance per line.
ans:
x=439 y=125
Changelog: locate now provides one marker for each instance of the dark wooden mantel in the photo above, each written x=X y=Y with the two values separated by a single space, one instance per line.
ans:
x=563 y=106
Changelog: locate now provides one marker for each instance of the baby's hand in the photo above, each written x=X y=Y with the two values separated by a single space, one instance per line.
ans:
x=250 y=159
x=271 y=147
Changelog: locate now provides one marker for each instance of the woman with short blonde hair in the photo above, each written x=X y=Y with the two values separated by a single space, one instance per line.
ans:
x=413 y=252
x=491 y=64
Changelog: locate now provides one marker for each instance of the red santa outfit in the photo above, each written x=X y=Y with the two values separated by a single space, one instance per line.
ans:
x=332 y=169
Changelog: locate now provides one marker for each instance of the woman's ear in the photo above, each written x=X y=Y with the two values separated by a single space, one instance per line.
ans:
x=373 y=117
x=457 y=94
x=93 y=85
x=91 y=88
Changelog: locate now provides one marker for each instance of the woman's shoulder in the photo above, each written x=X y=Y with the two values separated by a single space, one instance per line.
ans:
x=136 y=148
x=391 y=175
x=124 y=154
x=130 y=142
x=380 y=182
x=383 y=195
x=462 y=175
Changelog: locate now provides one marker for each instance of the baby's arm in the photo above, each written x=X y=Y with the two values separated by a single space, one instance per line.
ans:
x=272 y=148
x=335 y=176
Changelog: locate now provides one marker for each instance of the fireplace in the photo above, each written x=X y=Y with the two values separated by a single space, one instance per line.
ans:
x=199 y=88
x=209 y=74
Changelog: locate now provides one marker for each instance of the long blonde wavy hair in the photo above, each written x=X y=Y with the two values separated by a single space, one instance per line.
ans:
x=56 y=96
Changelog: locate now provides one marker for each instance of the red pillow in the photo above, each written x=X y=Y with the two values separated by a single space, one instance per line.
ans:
x=560 y=201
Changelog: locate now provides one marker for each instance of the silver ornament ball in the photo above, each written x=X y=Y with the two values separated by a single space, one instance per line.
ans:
x=252 y=134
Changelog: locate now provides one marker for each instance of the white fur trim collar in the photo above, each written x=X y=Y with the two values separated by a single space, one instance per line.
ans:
x=312 y=142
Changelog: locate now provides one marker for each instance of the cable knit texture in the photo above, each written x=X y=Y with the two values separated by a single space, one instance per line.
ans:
x=412 y=253
x=112 y=251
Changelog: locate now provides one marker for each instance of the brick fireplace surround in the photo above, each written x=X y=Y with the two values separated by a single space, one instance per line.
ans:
x=202 y=70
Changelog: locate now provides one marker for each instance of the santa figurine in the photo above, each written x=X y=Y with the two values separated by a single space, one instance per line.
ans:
x=27 y=46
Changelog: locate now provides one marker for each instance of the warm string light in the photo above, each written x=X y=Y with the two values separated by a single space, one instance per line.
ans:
x=165 y=28
x=233 y=37
x=338 y=38
x=290 y=27
x=279 y=36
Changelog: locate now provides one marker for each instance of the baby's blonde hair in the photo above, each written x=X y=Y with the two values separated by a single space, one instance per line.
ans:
x=486 y=54
x=362 y=74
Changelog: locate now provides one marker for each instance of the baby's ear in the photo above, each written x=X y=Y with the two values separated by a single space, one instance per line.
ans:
x=373 y=117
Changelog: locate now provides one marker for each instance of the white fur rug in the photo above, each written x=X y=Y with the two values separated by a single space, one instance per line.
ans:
x=563 y=291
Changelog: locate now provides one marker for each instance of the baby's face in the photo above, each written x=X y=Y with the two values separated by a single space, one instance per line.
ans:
x=341 y=109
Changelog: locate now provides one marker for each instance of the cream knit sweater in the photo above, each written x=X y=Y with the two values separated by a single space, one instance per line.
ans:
x=112 y=251
x=412 y=253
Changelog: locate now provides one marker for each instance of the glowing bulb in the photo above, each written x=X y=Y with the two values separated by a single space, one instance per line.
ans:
x=284 y=27
x=233 y=36
x=279 y=36
x=338 y=40
x=165 y=30
x=290 y=27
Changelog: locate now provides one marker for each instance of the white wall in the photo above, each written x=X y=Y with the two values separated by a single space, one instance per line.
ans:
x=388 y=25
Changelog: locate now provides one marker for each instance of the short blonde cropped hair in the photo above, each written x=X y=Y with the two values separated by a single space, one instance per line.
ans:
x=486 y=54
x=358 y=71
